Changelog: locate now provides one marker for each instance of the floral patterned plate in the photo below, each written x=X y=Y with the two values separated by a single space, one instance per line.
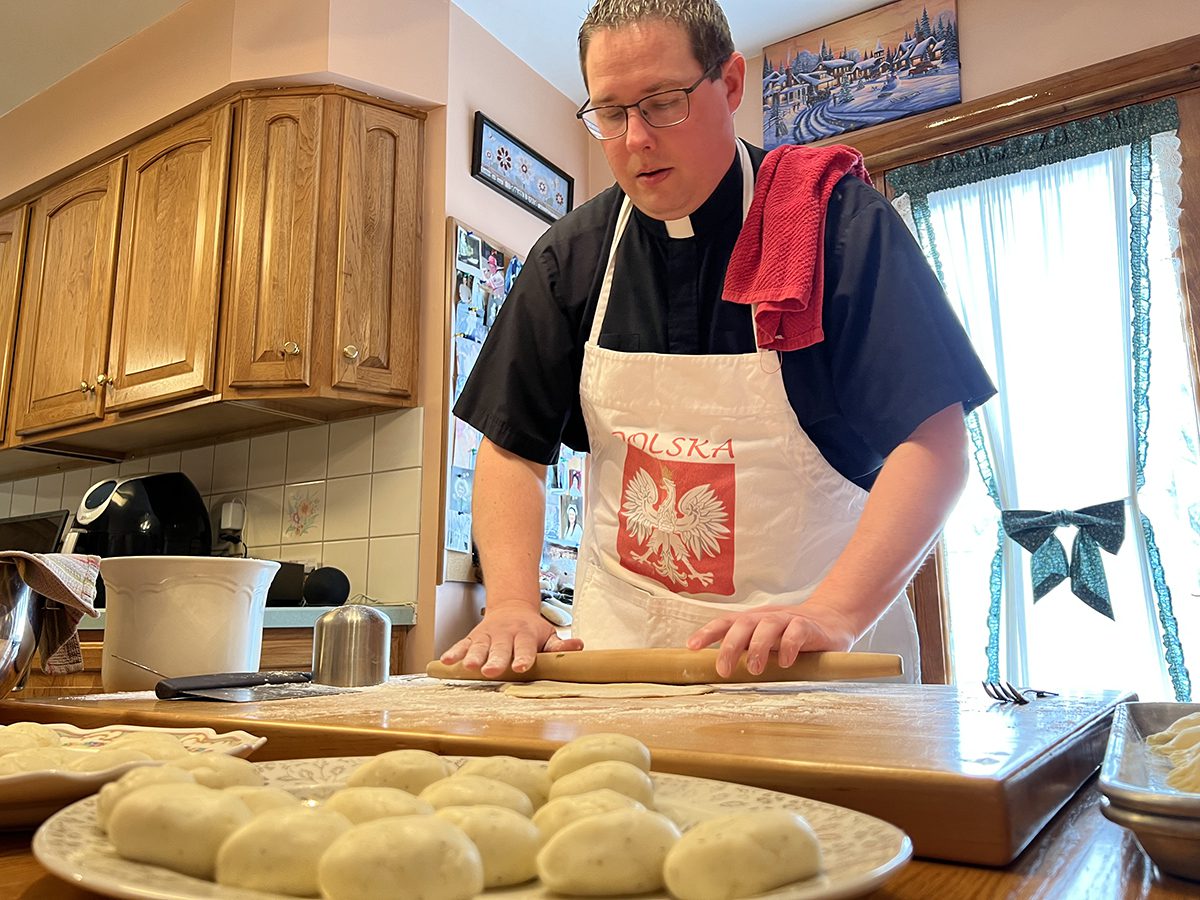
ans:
x=28 y=798
x=860 y=852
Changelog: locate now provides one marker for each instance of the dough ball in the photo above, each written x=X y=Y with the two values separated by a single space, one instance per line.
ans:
x=742 y=854
x=177 y=826
x=45 y=737
x=261 y=799
x=278 y=851
x=408 y=770
x=217 y=770
x=594 y=748
x=403 y=858
x=101 y=760
x=523 y=774
x=39 y=759
x=475 y=790
x=1175 y=727
x=365 y=804
x=565 y=810
x=615 y=775
x=115 y=791
x=11 y=743
x=508 y=842
x=154 y=744
x=620 y=852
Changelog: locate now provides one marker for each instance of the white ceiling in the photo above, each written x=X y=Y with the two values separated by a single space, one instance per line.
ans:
x=41 y=41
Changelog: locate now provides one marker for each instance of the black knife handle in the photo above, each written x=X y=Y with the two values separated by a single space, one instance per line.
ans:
x=170 y=688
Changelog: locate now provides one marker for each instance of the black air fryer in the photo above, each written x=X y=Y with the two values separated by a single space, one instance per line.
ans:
x=145 y=515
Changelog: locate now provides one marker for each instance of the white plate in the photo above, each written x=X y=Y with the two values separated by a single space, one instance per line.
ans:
x=26 y=799
x=860 y=851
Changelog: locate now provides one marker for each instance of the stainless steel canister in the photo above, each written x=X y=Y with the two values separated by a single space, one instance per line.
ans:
x=352 y=647
x=21 y=619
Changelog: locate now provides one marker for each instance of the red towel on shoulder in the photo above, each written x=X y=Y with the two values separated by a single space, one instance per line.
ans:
x=778 y=261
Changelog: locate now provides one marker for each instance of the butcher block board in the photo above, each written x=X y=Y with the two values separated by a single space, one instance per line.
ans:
x=969 y=779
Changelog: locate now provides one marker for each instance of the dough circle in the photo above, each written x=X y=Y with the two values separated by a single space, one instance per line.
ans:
x=558 y=690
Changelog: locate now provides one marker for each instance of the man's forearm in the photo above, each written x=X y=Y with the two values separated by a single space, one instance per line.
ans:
x=509 y=512
x=917 y=488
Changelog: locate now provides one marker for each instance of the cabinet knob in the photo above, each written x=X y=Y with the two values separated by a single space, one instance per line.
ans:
x=291 y=348
x=350 y=351
x=84 y=387
x=104 y=379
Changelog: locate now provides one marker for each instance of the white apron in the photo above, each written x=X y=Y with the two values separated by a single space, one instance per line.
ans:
x=704 y=494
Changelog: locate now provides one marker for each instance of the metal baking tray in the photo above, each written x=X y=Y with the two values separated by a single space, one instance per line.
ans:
x=1172 y=842
x=1133 y=776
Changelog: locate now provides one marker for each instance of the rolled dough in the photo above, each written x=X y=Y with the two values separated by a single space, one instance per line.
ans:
x=553 y=690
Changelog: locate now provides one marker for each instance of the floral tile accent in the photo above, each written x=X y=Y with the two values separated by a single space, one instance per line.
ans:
x=304 y=512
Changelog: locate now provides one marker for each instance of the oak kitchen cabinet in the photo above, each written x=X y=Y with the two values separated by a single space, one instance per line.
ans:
x=12 y=256
x=262 y=251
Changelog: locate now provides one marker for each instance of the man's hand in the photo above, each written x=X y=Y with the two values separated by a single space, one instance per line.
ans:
x=766 y=629
x=509 y=634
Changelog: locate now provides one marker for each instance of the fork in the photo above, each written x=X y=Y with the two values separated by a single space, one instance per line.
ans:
x=1006 y=693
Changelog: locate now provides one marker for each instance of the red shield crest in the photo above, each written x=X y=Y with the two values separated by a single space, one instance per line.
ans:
x=677 y=523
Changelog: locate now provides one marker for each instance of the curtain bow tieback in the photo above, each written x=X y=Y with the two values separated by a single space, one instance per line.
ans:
x=1097 y=527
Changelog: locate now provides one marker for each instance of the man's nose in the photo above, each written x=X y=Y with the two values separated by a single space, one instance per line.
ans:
x=638 y=134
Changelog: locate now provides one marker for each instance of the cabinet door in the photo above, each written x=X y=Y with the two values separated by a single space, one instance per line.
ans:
x=12 y=255
x=377 y=301
x=275 y=243
x=169 y=265
x=66 y=301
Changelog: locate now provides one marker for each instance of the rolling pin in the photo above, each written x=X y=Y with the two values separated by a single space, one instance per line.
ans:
x=672 y=666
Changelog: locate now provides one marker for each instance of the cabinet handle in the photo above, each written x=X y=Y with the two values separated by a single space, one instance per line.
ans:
x=84 y=387
x=291 y=348
x=350 y=352
x=104 y=379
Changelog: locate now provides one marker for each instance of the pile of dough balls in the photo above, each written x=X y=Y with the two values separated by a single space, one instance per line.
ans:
x=1180 y=743
x=409 y=824
x=29 y=747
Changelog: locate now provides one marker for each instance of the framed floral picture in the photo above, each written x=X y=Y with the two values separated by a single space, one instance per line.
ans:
x=512 y=168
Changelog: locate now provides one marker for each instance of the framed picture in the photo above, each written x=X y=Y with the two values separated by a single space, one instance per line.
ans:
x=510 y=167
x=891 y=62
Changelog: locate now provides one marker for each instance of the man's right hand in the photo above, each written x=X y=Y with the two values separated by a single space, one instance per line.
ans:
x=508 y=635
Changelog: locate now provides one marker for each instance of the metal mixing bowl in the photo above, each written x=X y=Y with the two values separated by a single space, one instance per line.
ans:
x=20 y=628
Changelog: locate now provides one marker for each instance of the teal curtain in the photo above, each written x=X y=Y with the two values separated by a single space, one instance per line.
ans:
x=1133 y=127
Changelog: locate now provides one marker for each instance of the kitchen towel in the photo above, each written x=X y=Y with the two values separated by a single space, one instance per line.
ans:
x=68 y=581
x=778 y=261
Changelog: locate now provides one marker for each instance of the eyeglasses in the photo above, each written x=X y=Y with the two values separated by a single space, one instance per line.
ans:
x=661 y=110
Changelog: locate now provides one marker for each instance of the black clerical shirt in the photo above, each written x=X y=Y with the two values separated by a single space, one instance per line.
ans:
x=894 y=353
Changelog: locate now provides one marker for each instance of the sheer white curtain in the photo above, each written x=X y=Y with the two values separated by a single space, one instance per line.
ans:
x=1038 y=264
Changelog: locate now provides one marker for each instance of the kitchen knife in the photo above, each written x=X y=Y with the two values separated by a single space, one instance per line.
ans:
x=672 y=666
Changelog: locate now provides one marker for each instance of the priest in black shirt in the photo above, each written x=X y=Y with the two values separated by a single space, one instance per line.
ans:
x=774 y=502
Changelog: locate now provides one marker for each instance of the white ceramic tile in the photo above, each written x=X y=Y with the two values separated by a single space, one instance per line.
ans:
x=6 y=491
x=137 y=466
x=398 y=440
x=392 y=569
x=307 y=554
x=307 y=453
x=351 y=558
x=105 y=472
x=350 y=447
x=24 y=497
x=197 y=465
x=268 y=459
x=303 y=512
x=214 y=503
x=348 y=508
x=75 y=484
x=396 y=502
x=230 y=464
x=271 y=552
x=264 y=515
x=165 y=462
x=49 y=493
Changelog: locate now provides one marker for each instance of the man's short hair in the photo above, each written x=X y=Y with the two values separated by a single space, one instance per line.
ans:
x=703 y=20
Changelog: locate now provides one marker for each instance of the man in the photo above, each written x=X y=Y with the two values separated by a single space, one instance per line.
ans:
x=728 y=486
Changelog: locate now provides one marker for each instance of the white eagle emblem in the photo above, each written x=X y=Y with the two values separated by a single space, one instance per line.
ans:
x=693 y=529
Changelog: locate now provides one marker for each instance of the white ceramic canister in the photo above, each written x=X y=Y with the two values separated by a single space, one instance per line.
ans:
x=181 y=615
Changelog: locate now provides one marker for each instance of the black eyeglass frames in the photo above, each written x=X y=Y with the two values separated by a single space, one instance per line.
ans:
x=659 y=110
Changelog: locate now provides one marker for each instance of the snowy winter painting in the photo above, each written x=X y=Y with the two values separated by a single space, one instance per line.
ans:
x=891 y=62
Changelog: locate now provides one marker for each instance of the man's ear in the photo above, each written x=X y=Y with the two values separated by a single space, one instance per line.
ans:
x=734 y=77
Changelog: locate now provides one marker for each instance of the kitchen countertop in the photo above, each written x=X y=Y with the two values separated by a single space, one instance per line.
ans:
x=1079 y=854
x=291 y=616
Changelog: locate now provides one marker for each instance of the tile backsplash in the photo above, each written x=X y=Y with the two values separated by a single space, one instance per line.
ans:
x=345 y=494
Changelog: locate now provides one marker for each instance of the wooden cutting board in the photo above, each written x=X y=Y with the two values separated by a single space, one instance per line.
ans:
x=671 y=666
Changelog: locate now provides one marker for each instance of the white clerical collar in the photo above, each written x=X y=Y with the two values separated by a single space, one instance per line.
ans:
x=680 y=228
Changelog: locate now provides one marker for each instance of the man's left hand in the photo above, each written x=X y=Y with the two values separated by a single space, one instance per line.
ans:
x=766 y=629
